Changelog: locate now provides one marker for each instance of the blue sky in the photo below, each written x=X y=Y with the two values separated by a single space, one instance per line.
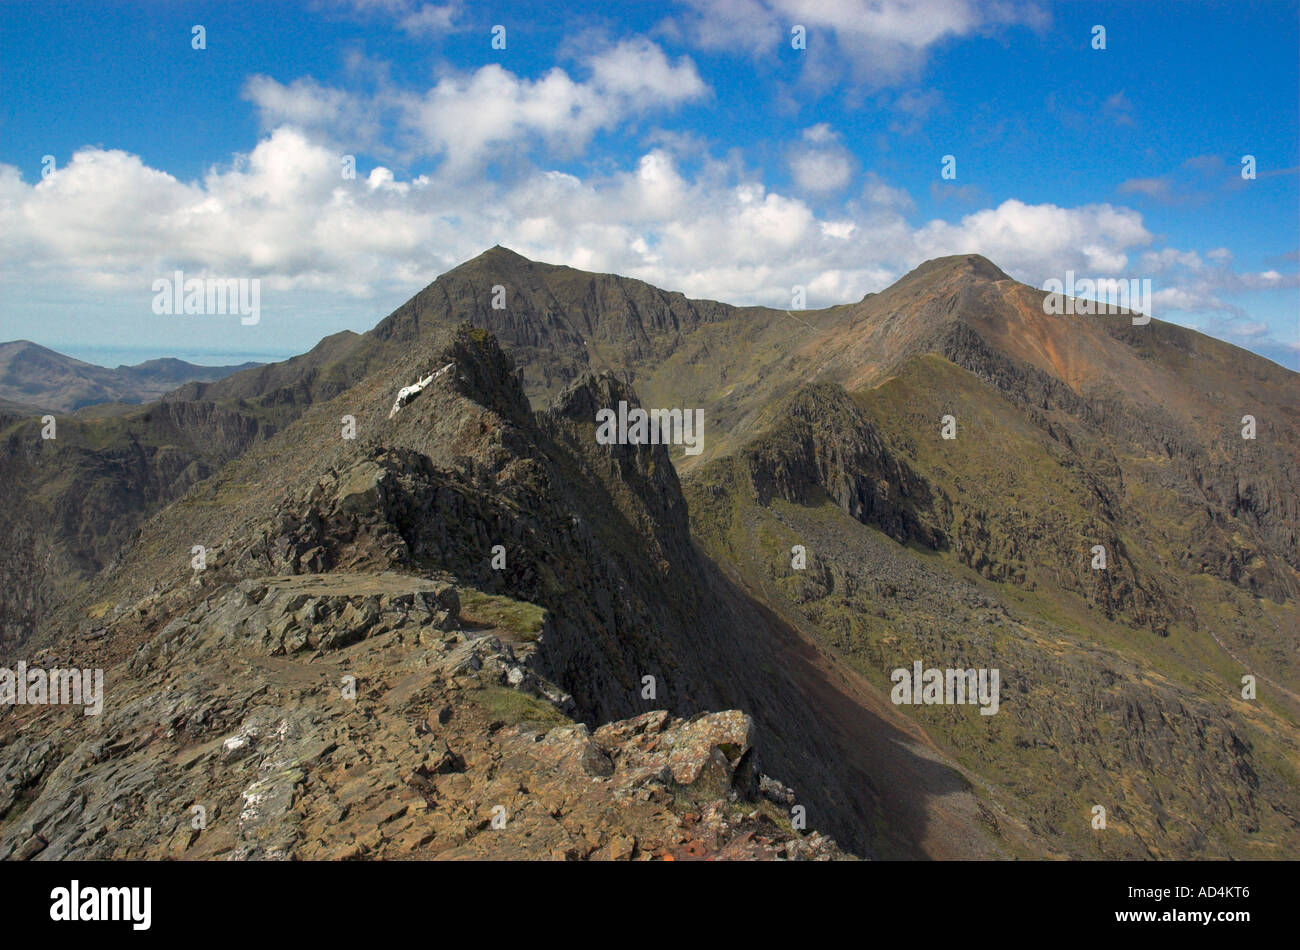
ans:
x=687 y=144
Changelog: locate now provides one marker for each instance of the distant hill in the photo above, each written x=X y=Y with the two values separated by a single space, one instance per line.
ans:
x=34 y=376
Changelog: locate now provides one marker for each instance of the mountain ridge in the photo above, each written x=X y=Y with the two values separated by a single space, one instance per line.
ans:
x=824 y=434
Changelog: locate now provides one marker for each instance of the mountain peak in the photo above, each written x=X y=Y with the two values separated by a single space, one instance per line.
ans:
x=498 y=254
x=969 y=266
x=496 y=260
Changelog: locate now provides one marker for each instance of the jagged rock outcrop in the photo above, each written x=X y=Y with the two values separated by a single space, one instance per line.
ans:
x=403 y=740
x=825 y=443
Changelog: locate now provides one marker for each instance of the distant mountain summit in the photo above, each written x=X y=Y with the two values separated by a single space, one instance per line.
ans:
x=40 y=379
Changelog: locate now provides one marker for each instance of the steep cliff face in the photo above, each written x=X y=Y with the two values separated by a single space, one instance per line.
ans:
x=78 y=497
x=825 y=444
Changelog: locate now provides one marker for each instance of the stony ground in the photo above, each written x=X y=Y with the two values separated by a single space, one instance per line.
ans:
x=337 y=716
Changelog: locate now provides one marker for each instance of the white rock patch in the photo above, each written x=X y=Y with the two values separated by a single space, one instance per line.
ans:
x=407 y=393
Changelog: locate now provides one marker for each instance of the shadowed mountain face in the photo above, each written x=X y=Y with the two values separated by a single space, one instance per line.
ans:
x=941 y=473
x=40 y=380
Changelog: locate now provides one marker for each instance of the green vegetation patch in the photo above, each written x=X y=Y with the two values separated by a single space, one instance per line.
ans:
x=518 y=709
x=525 y=620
